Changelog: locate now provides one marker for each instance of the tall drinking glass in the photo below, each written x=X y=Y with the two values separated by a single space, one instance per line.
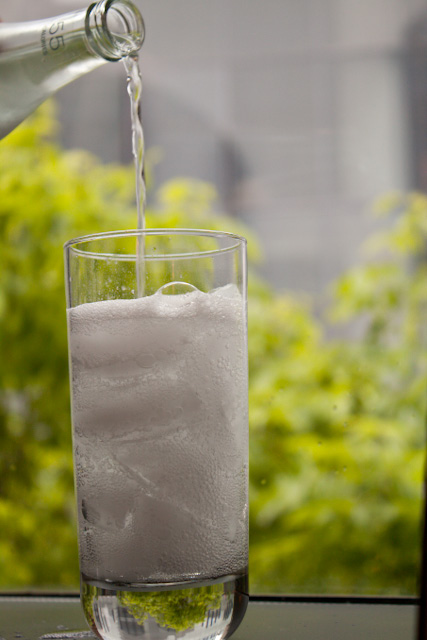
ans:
x=157 y=335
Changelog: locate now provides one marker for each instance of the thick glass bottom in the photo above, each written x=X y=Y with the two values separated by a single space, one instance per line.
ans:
x=208 y=610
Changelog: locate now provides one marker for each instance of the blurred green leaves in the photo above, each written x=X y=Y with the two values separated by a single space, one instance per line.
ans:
x=336 y=413
x=337 y=425
x=47 y=196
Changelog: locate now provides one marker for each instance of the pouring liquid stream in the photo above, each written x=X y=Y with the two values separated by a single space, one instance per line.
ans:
x=134 y=88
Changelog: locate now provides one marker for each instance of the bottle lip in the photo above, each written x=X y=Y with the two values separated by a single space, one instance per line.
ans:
x=104 y=41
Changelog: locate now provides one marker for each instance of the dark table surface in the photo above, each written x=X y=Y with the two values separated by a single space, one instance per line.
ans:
x=60 y=617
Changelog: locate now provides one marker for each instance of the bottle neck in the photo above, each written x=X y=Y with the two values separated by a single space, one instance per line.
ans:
x=38 y=58
x=109 y=29
x=114 y=29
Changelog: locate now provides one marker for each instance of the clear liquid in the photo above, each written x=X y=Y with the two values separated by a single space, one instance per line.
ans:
x=189 y=611
x=134 y=87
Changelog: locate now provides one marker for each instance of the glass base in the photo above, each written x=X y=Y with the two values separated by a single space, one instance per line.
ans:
x=194 y=610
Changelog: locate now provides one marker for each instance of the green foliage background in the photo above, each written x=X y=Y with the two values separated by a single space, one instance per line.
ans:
x=336 y=425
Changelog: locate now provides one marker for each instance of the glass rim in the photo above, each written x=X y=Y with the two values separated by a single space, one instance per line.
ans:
x=71 y=245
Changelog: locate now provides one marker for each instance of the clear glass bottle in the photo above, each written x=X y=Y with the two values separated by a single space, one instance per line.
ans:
x=38 y=58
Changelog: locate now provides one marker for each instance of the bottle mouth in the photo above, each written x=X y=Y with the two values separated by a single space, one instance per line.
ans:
x=115 y=28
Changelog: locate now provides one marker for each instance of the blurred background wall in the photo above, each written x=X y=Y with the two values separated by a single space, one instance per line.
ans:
x=301 y=112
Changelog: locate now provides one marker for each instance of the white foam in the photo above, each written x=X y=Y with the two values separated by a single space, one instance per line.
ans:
x=160 y=432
